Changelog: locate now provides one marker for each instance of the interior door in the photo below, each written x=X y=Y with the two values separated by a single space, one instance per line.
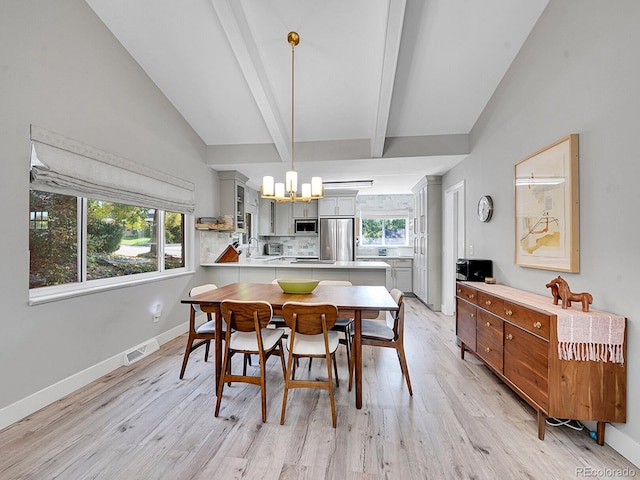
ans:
x=453 y=244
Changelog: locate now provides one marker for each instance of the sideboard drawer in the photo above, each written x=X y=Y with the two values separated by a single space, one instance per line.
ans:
x=466 y=323
x=534 y=322
x=466 y=293
x=526 y=364
x=489 y=339
x=491 y=303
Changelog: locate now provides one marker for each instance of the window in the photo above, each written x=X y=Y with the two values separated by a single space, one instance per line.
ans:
x=98 y=220
x=120 y=240
x=378 y=230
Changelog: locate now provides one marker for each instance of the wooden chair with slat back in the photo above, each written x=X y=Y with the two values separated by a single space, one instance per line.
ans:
x=310 y=336
x=203 y=333
x=379 y=334
x=246 y=333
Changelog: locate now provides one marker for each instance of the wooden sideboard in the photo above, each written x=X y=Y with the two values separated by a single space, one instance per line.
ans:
x=519 y=343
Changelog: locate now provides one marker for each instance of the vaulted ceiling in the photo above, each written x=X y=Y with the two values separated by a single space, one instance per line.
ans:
x=384 y=89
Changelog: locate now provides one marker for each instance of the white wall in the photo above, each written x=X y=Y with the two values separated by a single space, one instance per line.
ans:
x=61 y=69
x=578 y=72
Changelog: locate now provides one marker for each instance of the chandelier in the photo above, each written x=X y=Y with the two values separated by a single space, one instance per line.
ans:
x=288 y=191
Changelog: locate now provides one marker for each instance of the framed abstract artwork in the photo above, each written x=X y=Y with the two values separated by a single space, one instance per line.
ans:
x=547 y=208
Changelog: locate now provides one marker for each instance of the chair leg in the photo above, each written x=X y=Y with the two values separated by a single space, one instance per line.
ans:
x=225 y=369
x=281 y=354
x=352 y=363
x=291 y=367
x=263 y=387
x=347 y=345
x=206 y=350
x=335 y=369
x=186 y=357
x=330 y=385
x=403 y=367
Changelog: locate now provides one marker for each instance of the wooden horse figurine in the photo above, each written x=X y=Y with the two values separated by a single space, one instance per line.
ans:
x=560 y=290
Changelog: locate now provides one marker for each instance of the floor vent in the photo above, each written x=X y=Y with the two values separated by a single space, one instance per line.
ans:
x=141 y=351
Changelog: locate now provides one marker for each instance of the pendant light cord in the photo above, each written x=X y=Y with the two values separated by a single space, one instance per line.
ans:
x=293 y=47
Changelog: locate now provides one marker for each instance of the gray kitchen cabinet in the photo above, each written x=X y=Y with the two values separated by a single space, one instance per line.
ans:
x=427 y=242
x=232 y=197
x=267 y=217
x=284 y=220
x=305 y=210
x=339 y=206
x=400 y=275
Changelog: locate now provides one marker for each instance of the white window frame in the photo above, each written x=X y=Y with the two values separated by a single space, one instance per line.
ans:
x=385 y=215
x=84 y=287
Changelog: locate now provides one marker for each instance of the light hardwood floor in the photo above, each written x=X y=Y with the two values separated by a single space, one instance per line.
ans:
x=142 y=422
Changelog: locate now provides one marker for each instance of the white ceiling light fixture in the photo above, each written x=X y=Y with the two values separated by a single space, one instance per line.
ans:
x=287 y=192
x=349 y=184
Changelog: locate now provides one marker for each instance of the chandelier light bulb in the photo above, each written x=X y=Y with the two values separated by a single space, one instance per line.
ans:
x=268 y=186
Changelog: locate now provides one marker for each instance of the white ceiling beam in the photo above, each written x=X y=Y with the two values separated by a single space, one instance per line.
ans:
x=393 y=35
x=236 y=28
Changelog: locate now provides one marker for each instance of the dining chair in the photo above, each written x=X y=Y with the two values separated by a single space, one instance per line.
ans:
x=246 y=333
x=379 y=334
x=310 y=336
x=343 y=325
x=204 y=333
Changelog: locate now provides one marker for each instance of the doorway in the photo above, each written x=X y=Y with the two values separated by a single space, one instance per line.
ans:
x=453 y=243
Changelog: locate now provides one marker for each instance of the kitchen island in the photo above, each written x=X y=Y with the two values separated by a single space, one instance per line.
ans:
x=265 y=270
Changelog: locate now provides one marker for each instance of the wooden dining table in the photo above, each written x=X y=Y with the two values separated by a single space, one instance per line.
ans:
x=355 y=302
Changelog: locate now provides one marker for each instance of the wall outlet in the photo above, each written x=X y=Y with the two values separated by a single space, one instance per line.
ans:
x=471 y=250
x=157 y=313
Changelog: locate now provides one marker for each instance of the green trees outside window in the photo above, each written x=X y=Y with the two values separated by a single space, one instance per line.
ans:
x=384 y=231
x=120 y=239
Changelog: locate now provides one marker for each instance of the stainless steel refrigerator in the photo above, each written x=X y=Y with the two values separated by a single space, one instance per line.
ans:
x=337 y=239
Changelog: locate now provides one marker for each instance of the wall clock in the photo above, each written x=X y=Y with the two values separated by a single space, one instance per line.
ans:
x=485 y=208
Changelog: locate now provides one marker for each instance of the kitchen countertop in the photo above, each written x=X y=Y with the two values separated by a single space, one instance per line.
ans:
x=270 y=262
x=382 y=257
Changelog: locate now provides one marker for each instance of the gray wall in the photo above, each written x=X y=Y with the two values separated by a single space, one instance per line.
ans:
x=61 y=69
x=578 y=72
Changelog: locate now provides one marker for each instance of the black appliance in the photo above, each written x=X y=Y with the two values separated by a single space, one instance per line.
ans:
x=473 y=269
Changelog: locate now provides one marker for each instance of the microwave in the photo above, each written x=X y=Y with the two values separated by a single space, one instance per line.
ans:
x=305 y=226
x=473 y=269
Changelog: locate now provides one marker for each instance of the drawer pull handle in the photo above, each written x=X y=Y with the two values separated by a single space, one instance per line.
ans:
x=472 y=315
x=537 y=325
x=488 y=324
x=459 y=290
x=487 y=349
x=472 y=296
x=488 y=302
x=508 y=312
x=509 y=336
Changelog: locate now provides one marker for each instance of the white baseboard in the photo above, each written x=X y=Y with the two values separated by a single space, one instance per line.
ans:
x=620 y=442
x=22 y=408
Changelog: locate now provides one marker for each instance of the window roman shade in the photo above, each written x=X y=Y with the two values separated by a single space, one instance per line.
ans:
x=66 y=166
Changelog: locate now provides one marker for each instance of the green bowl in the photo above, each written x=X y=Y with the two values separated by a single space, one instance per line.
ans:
x=297 y=285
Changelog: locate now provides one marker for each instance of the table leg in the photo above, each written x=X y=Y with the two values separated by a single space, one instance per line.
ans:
x=357 y=353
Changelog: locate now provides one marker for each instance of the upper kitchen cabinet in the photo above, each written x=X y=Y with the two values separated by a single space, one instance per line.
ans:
x=305 y=210
x=232 y=197
x=267 y=217
x=427 y=242
x=284 y=222
x=338 y=203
